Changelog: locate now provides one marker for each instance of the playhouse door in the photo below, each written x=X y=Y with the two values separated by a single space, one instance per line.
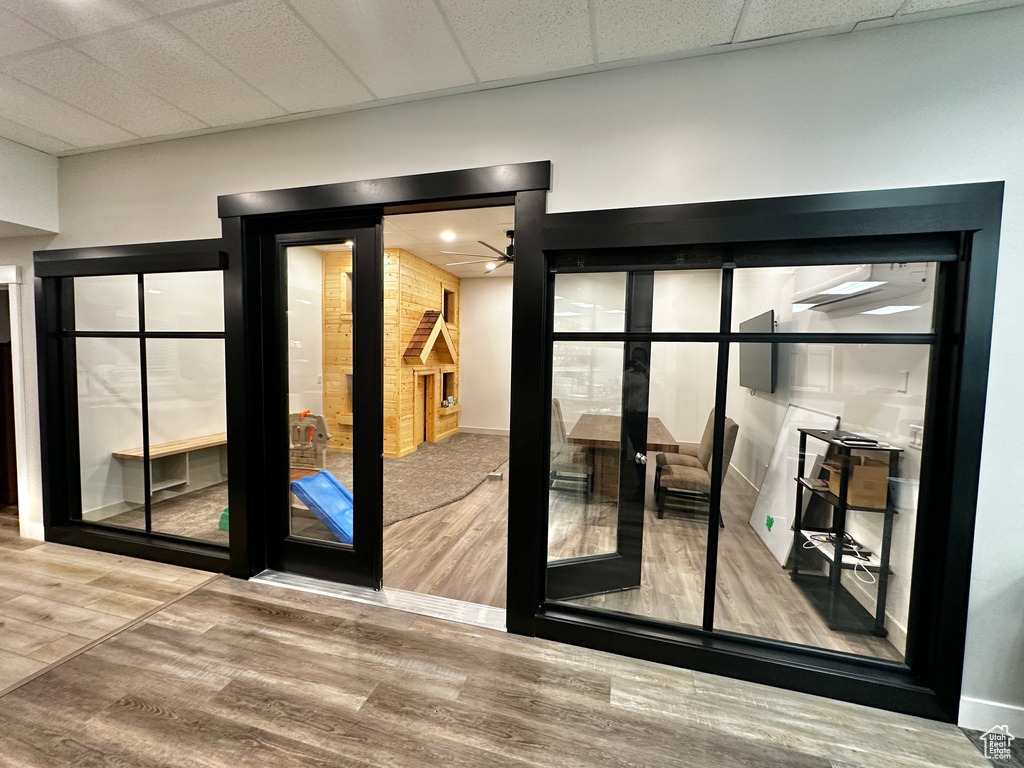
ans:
x=325 y=434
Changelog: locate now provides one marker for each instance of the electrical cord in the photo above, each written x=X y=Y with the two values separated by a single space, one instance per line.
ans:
x=850 y=548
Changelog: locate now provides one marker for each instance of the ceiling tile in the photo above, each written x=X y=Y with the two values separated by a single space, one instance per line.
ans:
x=49 y=116
x=17 y=35
x=397 y=47
x=515 y=38
x=30 y=138
x=626 y=29
x=916 y=6
x=73 y=77
x=768 y=18
x=66 y=20
x=269 y=47
x=164 y=62
x=164 y=7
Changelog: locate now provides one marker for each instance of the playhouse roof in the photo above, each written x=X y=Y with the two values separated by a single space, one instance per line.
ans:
x=431 y=327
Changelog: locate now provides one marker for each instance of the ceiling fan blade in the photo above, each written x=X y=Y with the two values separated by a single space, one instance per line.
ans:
x=460 y=263
x=485 y=245
x=464 y=253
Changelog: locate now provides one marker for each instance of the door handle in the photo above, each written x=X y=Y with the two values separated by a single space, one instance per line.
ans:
x=640 y=459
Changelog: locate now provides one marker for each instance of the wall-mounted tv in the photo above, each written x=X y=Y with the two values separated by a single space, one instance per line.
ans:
x=758 y=362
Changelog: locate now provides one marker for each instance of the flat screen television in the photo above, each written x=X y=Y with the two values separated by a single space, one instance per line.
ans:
x=758 y=363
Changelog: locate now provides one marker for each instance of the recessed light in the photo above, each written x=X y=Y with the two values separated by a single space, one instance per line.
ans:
x=802 y=307
x=567 y=314
x=892 y=309
x=854 y=286
x=448 y=236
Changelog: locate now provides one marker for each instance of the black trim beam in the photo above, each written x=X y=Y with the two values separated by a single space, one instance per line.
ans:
x=759 y=338
x=181 y=256
x=953 y=208
x=878 y=249
x=493 y=181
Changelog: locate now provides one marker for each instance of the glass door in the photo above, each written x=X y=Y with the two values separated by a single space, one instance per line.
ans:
x=325 y=488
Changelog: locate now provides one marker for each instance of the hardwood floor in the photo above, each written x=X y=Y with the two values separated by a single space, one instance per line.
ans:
x=238 y=674
x=55 y=600
x=459 y=551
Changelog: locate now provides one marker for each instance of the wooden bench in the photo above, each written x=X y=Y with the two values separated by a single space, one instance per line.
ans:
x=176 y=465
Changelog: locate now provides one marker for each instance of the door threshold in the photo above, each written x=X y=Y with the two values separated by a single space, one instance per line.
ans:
x=485 y=616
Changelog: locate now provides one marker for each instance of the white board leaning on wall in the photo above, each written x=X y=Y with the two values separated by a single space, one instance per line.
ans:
x=772 y=517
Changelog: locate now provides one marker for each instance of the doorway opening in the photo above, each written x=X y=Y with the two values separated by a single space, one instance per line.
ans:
x=447 y=373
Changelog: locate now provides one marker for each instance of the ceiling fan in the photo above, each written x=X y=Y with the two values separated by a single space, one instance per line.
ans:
x=492 y=262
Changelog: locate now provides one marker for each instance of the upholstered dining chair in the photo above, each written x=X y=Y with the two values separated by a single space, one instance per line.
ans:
x=684 y=478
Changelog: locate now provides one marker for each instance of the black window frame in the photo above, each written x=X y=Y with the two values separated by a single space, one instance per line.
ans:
x=58 y=392
x=853 y=227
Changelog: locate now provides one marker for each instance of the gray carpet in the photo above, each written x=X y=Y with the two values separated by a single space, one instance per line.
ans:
x=434 y=475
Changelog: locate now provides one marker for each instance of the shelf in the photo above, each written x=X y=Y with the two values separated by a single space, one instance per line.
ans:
x=448 y=411
x=835 y=437
x=832 y=499
x=828 y=551
x=850 y=616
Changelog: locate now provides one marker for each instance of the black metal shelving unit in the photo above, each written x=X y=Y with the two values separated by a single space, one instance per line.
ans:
x=830 y=598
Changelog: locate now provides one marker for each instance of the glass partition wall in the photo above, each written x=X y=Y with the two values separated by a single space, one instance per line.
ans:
x=720 y=439
x=147 y=352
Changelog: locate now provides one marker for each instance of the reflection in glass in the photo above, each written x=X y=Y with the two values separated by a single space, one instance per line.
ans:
x=853 y=298
x=320 y=387
x=878 y=392
x=107 y=303
x=110 y=431
x=590 y=302
x=687 y=300
x=188 y=437
x=184 y=301
x=584 y=464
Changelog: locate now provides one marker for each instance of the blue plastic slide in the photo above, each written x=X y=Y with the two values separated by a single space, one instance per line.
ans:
x=329 y=500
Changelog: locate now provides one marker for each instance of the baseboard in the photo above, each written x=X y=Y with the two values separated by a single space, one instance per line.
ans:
x=981 y=715
x=29 y=530
x=483 y=431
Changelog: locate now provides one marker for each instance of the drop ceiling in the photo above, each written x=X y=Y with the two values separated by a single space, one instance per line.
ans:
x=78 y=75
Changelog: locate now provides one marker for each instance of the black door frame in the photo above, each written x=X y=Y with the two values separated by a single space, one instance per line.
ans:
x=877 y=226
x=248 y=217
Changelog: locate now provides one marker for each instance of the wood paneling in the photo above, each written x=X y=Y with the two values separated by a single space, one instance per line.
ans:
x=411 y=287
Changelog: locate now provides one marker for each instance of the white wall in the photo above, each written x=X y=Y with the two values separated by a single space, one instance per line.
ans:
x=930 y=103
x=485 y=352
x=305 y=330
x=28 y=190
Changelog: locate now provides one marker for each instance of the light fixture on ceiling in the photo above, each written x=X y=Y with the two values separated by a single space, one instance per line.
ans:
x=582 y=305
x=152 y=291
x=448 y=236
x=892 y=309
x=615 y=311
x=567 y=314
x=304 y=301
x=854 y=286
x=491 y=267
x=802 y=307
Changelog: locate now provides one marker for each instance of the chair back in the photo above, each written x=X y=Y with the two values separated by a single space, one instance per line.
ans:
x=731 y=430
x=559 y=439
x=706 y=440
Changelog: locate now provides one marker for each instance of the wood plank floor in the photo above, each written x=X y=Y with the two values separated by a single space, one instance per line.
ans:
x=239 y=674
x=55 y=600
x=459 y=551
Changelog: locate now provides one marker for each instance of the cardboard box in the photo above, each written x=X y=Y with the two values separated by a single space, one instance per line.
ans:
x=869 y=482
